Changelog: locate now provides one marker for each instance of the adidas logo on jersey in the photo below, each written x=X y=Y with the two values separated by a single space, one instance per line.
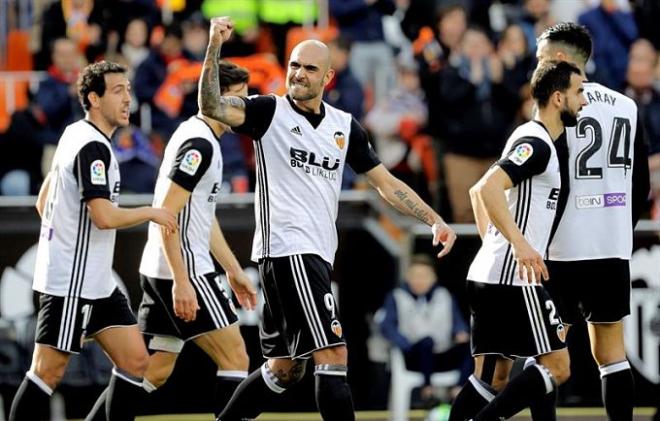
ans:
x=296 y=130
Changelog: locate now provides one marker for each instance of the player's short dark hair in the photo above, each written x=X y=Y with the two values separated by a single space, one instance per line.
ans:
x=231 y=74
x=573 y=36
x=549 y=77
x=421 y=259
x=92 y=79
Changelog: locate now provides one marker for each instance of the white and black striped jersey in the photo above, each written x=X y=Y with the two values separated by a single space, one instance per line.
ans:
x=606 y=152
x=74 y=257
x=530 y=160
x=193 y=161
x=300 y=161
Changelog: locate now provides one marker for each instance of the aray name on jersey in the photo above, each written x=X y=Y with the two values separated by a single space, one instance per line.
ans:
x=313 y=164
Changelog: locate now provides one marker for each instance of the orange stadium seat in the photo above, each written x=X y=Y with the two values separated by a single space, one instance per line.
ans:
x=20 y=100
x=19 y=57
x=266 y=75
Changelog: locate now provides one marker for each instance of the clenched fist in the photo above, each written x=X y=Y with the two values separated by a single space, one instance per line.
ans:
x=221 y=28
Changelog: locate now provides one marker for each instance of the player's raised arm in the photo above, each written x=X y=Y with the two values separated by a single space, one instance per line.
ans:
x=226 y=109
x=405 y=200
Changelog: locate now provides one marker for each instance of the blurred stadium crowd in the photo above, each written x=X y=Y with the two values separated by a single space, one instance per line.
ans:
x=439 y=83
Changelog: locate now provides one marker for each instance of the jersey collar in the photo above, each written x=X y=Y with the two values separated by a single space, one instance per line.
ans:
x=313 y=119
x=97 y=129
x=209 y=126
x=542 y=125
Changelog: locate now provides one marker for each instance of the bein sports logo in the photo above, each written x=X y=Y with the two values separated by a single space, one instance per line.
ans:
x=606 y=200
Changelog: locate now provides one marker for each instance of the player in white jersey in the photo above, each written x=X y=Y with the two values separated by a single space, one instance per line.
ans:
x=302 y=145
x=78 y=299
x=183 y=299
x=514 y=205
x=608 y=177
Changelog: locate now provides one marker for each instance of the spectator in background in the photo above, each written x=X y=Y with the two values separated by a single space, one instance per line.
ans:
x=235 y=175
x=371 y=59
x=344 y=91
x=642 y=62
x=423 y=320
x=195 y=36
x=167 y=81
x=120 y=13
x=57 y=94
x=245 y=14
x=647 y=15
x=21 y=148
x=396 y=123
x=137 y=158
x=478 y=112
x=516 y=57
x=281 y=15
x=79 y=20
x=135 y=49
x=613 y=30
x=536 y=18
x=433 y=49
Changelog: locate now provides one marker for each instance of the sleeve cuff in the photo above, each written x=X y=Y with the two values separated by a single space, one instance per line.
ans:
x=95 y=194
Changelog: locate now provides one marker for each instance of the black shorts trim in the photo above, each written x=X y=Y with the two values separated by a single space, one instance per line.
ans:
x=300 y=313
x=156 y=314
x=513 y=321
x=64 y=323
x=595 y=291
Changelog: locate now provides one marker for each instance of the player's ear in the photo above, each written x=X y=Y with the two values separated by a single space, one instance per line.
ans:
x=328 y=76
x=557 y=99
x=94 y=99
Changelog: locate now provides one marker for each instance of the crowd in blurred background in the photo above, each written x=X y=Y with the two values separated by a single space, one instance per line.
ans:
x=439 y=83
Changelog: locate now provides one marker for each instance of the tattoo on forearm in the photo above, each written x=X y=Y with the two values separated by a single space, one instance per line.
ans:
x=413 y=207
x=211 y=101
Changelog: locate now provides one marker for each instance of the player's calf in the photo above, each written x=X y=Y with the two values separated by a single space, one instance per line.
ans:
x=333 y=394
x=46 y=372
x=256 y=392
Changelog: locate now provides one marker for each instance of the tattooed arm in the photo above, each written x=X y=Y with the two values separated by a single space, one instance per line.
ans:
x=405 y=200
x=226 y=109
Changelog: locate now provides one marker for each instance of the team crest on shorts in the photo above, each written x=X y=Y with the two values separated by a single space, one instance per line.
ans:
x=340 y=140
x=561 y=332
x=336 y=328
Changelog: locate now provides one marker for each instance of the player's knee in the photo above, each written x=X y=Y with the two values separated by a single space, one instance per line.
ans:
x=499 y=382
x=135 y=365
x=51 y=374
x=295 y=374
x=560 y=372
x=336 y=355
x=288 y=372
x=238 y=360
x=604 y=356
x=158 y=374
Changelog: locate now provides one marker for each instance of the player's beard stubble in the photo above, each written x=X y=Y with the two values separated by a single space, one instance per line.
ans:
x=569 y=118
